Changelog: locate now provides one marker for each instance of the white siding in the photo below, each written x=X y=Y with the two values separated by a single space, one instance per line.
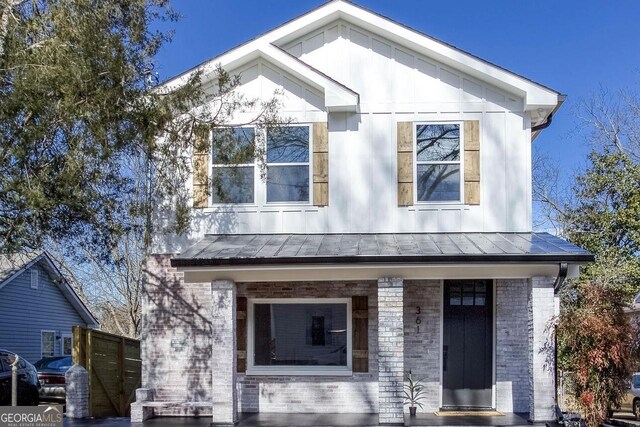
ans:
x=395 y=84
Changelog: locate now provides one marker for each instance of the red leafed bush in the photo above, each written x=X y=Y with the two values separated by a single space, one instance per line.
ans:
x=599 y=344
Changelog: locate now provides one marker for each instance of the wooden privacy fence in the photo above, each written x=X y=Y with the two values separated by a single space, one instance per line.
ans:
x=114 y=367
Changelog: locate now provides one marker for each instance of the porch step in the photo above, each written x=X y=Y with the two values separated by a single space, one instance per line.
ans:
x=177 y=404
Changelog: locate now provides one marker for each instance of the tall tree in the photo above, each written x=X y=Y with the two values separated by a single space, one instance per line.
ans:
x=79 y=107
x=94 y=153
x=596 y=340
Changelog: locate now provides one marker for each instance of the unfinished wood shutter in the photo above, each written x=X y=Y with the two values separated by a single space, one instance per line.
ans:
x=405 y=163
x=201 y=169
x=360 y=326
x=241 y=333
x=472 y=162
x=320 y=164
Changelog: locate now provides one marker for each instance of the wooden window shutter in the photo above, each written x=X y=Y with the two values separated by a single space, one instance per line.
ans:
x=405 y=163
x=472 y=162
x=360 y=325
x=201 y=169
x=241 y=333
x=320 y=164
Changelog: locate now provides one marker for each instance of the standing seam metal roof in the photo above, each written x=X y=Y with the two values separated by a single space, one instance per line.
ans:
x=248 y=249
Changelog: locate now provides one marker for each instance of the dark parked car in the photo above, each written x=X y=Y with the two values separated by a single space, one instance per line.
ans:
x=28 y=384
x=51 y=372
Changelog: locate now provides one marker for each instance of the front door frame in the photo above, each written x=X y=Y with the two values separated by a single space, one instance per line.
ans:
x=493 y=344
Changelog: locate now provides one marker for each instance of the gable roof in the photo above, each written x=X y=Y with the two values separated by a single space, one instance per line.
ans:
x=535 y=95
x=12 y=265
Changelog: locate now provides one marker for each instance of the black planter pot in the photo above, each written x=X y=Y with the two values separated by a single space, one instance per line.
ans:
x=412 y=411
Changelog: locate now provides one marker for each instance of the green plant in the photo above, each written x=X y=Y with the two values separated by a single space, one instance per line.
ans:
x=413 y=392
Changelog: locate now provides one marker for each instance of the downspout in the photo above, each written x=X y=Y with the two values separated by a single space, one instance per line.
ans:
x=562 y=275
x=563 y=269
x=544 y=125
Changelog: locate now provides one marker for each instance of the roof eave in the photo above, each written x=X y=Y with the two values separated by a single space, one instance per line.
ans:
x=361 y=259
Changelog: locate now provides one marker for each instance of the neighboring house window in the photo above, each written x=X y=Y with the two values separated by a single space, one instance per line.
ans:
x=299 y=336
x=47 y=339
x=233 y=184
x=438 y=168
x=35 y=279
x=288 y=164
x=67 y=345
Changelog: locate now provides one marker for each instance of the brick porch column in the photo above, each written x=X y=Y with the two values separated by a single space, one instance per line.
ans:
x=390 y=351
x=223 y=352
x=541 y=380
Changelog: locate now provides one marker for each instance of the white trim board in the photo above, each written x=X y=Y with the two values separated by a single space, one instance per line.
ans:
x=315 y=272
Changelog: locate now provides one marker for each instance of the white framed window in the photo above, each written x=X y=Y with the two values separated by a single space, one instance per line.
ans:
x=233 y=184
x=438 y=161
x=299 y=336
x=47 y=343
x=35 y=279
x=67 y=345
x=288 y=164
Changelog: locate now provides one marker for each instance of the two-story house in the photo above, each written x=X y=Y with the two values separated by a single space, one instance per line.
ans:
x=393 y=234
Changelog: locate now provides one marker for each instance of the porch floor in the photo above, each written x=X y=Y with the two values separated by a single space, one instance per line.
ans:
x=312 y=420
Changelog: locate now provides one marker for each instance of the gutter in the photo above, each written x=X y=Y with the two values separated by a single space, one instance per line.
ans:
x=535 y=130
x=377 y=259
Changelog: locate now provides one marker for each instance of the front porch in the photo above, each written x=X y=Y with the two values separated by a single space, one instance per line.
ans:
x=264 y=343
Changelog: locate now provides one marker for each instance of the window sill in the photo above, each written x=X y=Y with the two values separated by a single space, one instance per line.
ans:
x=291 y=371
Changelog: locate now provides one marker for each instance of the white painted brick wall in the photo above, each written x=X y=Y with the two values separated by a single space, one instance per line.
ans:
x=77 y=396
x=542 y=381
x=174 y=310
x=390 y=351
x=512 y=345
x=422 y=348
x=223 y=363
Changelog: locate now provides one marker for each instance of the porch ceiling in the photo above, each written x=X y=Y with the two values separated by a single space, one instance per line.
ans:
x=384 y=248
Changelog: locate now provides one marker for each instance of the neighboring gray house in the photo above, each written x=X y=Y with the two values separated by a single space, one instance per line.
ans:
x=38 y=307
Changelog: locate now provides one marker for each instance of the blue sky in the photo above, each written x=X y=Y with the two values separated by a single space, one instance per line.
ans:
x=569 y=45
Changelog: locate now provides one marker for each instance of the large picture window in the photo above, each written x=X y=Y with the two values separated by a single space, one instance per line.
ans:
x=288 y=164
x=438 y=177
x=233 y=184
x=299 y=336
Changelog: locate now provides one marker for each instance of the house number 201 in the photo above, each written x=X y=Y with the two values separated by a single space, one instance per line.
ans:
x=418 y=320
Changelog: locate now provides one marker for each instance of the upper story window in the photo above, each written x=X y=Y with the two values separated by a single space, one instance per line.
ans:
x=288 y=164
x=438 y=165
x=233 y=184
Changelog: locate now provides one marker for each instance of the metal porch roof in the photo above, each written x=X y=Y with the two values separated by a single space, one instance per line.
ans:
x=436 y=248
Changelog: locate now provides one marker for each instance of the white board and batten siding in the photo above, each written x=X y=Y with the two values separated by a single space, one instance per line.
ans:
x=395 y=84
x=26 y=311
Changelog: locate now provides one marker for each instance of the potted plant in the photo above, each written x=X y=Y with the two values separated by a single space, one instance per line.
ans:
x=413 y=393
